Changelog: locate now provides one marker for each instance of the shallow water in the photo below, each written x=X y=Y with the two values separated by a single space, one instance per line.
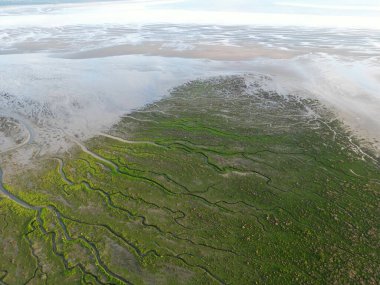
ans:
x=83 y=97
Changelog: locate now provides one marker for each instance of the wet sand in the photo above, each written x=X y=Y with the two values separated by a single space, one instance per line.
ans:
x=212 y=52
x=218 y=52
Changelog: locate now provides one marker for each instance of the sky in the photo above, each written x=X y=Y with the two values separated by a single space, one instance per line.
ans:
x=323 y=7
x=315 y=13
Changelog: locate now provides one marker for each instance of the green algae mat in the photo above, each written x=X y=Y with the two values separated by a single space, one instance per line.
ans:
x=221 y=182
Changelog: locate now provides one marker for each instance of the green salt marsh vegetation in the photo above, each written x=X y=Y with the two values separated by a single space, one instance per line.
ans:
x=221 y=182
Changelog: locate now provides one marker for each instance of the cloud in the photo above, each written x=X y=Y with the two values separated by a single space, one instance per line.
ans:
x=370 y=8
x=141 y=12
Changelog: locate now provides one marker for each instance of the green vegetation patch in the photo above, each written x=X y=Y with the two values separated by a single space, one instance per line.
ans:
x=220 y=183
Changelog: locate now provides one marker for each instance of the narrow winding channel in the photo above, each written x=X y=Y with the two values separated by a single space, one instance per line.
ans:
x=14 y=198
